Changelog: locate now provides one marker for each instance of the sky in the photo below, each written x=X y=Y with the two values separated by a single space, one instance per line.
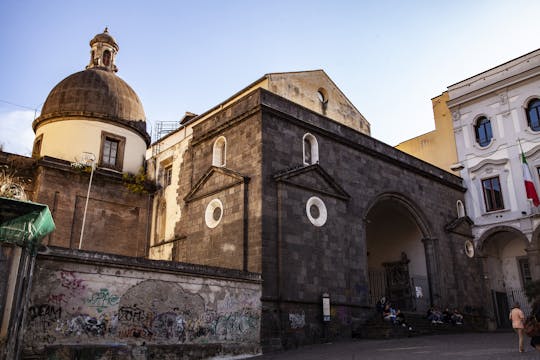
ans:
x=389 y=57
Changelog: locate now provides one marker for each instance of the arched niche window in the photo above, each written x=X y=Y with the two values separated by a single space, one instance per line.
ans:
x=106 y=58
x=483 y=132
x=311 y=150
x=533 y=114
x=219 y=152
x=460 y=209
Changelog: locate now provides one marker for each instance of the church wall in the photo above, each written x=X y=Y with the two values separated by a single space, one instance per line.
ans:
x=59 y=142
x=90 y=305
x=116 y=220
x=301 y=262
x=234 y=242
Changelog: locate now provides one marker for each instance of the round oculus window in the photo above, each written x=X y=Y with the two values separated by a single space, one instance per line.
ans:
x=469 y=248
x=316 y=211
x=213 y=213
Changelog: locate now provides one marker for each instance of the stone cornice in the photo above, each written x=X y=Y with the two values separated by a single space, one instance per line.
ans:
x=143 y=264
x=493 y=87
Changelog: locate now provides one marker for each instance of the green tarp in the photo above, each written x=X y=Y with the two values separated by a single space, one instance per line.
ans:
x=24 y=223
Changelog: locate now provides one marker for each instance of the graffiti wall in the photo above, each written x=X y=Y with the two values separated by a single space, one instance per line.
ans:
x=74 y=304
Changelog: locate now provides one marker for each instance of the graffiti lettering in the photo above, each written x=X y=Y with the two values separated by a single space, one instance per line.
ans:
x=102 y=299
x=131 y=314
x=47 y=311
x=297 y=320
x=69 y=281
x=57 y=300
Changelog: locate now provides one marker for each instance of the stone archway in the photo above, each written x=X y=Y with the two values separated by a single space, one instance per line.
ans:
x=504 y=251
x=396 y=255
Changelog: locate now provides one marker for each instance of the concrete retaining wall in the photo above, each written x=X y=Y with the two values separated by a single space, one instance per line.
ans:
x=103 y=306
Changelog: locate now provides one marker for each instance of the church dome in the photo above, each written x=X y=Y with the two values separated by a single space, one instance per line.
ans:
x=96 y=93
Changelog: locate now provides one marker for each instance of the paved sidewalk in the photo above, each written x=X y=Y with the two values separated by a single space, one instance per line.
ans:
x=477 y=346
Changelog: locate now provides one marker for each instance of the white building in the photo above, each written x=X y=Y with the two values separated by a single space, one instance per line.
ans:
x=496 y=114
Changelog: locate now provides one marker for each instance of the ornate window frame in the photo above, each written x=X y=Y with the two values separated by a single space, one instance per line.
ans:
x=477 y=127
x=528 y=109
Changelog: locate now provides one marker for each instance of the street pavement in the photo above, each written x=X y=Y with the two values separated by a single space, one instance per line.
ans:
x=477 y=346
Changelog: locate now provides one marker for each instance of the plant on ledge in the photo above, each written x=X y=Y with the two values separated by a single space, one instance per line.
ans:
x=11 y=186
x=138 y=183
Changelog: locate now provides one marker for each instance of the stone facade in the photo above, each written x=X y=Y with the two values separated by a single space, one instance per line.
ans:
x=354 y=172
x=506 y=231
x=90 y=305
x=264 y=187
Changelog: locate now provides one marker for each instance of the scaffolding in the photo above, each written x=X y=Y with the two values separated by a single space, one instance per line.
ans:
x=161 y=129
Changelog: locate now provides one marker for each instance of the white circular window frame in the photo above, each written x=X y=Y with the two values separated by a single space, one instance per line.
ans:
x=209 y=213
x=469 y=248
x=323 y=214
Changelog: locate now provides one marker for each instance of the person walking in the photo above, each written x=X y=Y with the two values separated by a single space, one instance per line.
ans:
x=518 y=318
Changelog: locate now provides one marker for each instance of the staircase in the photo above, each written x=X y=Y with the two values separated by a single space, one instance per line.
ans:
x=377 y=328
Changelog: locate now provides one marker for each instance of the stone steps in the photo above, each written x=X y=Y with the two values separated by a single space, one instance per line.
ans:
x=377 y=328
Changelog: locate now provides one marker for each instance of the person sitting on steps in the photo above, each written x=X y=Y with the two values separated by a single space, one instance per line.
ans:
x=457 y=318
x=434 y=315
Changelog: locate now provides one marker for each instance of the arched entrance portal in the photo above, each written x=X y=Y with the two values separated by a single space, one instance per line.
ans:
x=395 y=254
x=507 y=270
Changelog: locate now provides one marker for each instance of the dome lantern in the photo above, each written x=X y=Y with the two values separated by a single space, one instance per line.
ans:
x=103 y=53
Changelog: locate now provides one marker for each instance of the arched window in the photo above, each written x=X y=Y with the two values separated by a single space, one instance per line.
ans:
x=106 y=58
x=219 y=152
x=460 y=209
x=533 y=114
x=483 y=131
x=311 y=150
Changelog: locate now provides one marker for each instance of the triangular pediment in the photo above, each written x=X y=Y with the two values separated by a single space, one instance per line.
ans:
x=462 y=226
x=312 y=178
x=214 y=180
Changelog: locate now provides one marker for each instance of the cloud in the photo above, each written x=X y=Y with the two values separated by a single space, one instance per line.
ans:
x=16 y=134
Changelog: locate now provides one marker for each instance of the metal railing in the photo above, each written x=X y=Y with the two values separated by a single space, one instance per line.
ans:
x=518 y=295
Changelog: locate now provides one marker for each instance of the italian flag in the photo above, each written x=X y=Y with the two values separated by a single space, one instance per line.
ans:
x=529 y=185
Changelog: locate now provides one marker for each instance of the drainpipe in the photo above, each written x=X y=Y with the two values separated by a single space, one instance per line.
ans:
x=278 y=254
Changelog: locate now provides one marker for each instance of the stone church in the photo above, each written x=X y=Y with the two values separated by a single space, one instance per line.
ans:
x=281 y=181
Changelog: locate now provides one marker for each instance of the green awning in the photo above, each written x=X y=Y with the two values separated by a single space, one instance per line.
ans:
x=24 y=223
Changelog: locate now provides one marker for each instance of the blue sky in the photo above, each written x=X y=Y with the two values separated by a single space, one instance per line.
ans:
x=389 y=57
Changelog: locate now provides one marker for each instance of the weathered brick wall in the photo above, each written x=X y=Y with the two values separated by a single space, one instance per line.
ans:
x=117 y=219
x=94 y=305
